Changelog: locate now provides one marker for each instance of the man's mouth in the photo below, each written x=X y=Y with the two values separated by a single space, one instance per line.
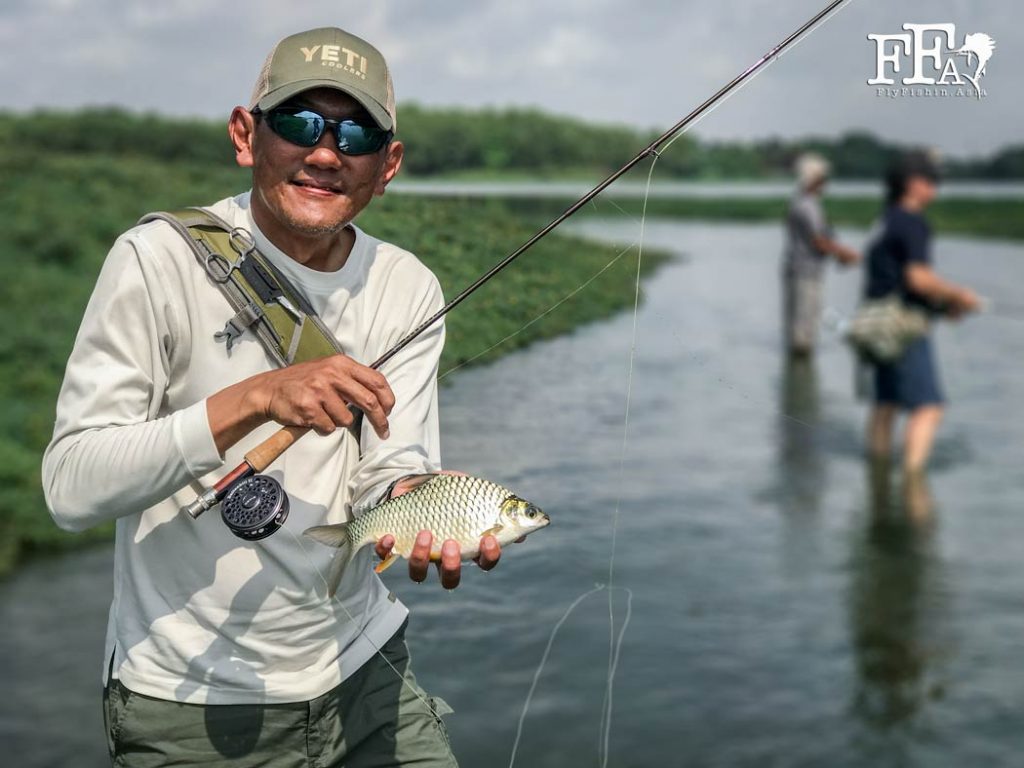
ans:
x=313 y=186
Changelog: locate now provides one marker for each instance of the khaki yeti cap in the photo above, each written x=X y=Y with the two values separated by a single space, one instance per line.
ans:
x=332 y=58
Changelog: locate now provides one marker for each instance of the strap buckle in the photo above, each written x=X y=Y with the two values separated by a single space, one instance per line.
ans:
x=238 y=324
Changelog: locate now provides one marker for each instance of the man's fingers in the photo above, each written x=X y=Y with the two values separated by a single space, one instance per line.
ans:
x=384 y=546
x=374 y=381
x=451 y=564
x=366 y=401
x=420 y=557
x=338 y=413
x=490 y=553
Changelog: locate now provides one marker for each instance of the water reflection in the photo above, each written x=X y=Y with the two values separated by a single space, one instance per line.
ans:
x=897 y=601
x=801 y=464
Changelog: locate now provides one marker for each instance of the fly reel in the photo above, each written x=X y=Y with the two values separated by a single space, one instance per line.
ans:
x=255 y=508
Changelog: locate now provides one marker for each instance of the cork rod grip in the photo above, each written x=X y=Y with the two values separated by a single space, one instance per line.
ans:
x=264 y=454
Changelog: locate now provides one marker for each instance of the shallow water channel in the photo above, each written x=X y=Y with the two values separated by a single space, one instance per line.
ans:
x=789 y=608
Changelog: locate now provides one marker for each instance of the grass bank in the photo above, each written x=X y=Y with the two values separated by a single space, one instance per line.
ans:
x=61 y=213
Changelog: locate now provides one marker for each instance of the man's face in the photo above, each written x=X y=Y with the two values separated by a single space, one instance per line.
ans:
x=922 y=190
x=312 y=192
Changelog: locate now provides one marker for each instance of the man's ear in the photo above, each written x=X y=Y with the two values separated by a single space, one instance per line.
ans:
x=392 y=162
x=242 y=130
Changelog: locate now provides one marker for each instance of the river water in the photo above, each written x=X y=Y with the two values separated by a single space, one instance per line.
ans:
x=789 y=606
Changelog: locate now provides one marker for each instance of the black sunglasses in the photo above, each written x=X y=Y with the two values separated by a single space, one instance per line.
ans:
x=305 y=127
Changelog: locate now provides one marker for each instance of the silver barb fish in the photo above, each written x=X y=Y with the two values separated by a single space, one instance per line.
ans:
x=457 y=507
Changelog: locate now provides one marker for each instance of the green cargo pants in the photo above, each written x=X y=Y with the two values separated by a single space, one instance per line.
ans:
x=373 y=718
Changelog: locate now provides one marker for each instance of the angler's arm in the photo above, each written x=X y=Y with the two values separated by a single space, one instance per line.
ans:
x=812 y=219
x=112 y=452
x=924 y=281
x=830 y=246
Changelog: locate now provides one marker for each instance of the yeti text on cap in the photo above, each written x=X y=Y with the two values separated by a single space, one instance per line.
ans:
x=332 y=55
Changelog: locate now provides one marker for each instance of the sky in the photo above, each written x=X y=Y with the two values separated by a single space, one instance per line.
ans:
x=644 y=63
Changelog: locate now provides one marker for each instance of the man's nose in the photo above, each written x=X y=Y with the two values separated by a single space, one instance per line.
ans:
x=325 y=153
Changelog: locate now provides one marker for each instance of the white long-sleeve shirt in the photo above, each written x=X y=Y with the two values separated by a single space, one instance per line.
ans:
x=198 y=614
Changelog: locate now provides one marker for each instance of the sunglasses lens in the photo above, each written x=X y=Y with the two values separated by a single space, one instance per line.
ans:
x=305 y=128
x=357 y=139
x=302 y=128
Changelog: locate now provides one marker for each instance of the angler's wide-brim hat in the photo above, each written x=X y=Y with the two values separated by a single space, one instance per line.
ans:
x=327 y=57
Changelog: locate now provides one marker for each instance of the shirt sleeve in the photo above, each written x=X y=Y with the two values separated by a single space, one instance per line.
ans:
x=414 y=443
x=114 y=452
x=915 y=236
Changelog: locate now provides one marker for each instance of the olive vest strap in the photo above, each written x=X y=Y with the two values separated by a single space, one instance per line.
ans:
x=263 y=299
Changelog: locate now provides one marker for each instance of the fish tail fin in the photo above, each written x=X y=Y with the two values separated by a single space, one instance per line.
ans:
x=337 y=536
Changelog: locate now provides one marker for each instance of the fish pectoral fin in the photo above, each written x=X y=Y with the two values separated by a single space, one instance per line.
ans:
x=492 y=531
x=384 y=564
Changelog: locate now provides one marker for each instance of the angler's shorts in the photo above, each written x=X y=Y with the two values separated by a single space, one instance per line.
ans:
x=912 y=381
x=802 y=300
x=374 y=718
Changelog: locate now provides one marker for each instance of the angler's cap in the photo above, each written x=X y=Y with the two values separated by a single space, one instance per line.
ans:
x=811 y=168
x=327 y=57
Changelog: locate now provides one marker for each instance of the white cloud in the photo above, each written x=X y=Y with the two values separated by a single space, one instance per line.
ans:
x=647 y=63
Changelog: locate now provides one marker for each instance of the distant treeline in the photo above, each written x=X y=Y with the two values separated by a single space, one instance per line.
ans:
x=449 y=141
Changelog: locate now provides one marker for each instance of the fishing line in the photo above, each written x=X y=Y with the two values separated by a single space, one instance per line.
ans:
x=614 y=644
x=613 y=648
x=547 y=652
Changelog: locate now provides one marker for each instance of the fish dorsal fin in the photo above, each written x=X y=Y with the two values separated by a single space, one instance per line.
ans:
x=418 y=481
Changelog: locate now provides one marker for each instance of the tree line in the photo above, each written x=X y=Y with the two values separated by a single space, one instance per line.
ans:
x=489 y=141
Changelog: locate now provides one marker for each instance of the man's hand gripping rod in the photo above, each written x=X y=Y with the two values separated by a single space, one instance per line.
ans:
x=267 y=452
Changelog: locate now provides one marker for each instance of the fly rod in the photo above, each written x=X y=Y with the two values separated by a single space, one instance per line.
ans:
x=258 y=459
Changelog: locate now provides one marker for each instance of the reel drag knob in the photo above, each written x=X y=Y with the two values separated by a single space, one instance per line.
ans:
x=255 y=508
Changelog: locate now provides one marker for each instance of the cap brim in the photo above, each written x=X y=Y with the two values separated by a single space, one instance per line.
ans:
x=285 y=92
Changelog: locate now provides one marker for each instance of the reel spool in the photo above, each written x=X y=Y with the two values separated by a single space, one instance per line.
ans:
x=255 y=508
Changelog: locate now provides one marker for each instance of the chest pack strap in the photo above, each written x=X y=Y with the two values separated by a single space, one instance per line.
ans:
x=263 y=299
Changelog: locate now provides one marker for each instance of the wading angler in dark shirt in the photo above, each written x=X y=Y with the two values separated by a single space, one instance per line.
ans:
x=911 y=381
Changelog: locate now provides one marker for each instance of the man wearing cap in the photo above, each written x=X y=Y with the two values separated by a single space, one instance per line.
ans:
x=809 y=242
x=219 y=650
x=899 y=263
